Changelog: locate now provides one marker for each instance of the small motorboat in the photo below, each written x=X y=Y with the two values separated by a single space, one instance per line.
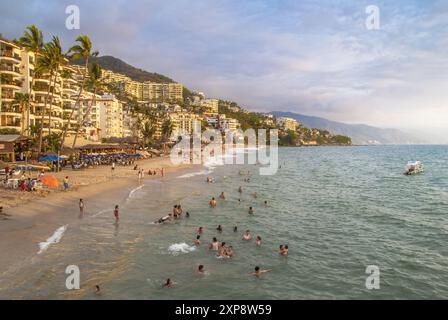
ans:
x=413 y=167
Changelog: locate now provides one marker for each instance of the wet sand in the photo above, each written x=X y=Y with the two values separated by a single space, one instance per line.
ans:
x=35 y=217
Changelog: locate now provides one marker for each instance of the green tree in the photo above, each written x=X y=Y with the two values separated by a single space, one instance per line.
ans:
x=94 y=84
x=48 y=63
x=33 y=41
x=83 y=50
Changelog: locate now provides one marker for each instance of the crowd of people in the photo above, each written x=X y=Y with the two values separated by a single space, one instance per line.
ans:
x=89 y=160
x=222 y=249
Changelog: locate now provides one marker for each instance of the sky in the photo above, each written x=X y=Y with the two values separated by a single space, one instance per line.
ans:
x=312 y=57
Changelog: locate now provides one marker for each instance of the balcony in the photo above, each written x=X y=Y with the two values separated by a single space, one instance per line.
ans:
x=12 y=84
x=10 y=56
x=6 y=69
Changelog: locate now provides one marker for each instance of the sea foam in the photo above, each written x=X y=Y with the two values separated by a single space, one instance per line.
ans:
x=55 y=238
x=177 y=248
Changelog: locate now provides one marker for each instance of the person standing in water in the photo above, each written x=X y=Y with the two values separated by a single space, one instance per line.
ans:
x=168 y=283
x=251 y=210
x=240 y=189
x=258 y=241
x=247 y=236
x=222 y=196
x=201 y=269
x=116 y=214
x=213 y=203
x=81 y=207
x=197 y=242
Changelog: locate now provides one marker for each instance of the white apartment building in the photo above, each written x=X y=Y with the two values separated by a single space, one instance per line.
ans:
x=287 y=123
x=111 y=117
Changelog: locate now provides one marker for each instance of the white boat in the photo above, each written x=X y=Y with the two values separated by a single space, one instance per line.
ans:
x=413 y=167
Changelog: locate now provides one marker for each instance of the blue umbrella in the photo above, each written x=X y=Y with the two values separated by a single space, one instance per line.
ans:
x=50 y=158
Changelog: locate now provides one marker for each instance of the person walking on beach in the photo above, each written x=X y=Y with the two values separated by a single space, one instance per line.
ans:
x=116 y=214
x=113 y=167
x=65 y=183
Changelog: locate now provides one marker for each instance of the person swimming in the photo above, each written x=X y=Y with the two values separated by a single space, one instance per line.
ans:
x=280 y=250
x=200 y=230
x=235 y=229
x=213 y=203
x=255 y=195
x=201 y=269
x=284 y=251
x=97 y=290
x=164 y=219
x=240 y=189
x=258 y=272
x=222 y=196
x=247 y=236
x=187 y=214
x=258 y=241
x=219 y=228
x=251 y=210
x=265 y=203
x=214 y=245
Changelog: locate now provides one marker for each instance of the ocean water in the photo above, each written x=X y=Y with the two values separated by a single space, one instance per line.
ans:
x=339 y=209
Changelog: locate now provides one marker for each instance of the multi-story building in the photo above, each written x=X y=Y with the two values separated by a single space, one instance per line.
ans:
x=161 y=92
x=211 y=106
x=147 y=90
x=228 y=124
x=185 y=121
x=56 y=95
x=111 y=117
x=287 y=123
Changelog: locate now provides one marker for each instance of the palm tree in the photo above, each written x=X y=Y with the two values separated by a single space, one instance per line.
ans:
x=33 y=41
x=22 y=100
x=81 y=51
x=58 y=61
x=94 y=83
x=167 y=129
x=148 y=130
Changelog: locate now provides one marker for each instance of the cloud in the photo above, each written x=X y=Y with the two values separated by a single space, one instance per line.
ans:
x=303 y=56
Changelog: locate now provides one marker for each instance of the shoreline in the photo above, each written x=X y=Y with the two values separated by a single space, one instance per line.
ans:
x=35 y=219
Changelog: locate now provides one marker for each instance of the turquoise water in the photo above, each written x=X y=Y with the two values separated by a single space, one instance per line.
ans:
x=339 y=209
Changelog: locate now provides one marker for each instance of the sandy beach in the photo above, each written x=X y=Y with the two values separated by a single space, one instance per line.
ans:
x=35 y=216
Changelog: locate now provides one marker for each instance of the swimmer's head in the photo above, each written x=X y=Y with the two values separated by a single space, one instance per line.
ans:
x=257 y=268
x=201 y=268
x=198 y=237
x=214 y=239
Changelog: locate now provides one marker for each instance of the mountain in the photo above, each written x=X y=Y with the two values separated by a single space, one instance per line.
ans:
x=360 y=133
x=119 y=66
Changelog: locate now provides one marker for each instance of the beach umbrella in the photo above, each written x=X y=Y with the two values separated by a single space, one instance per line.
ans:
x=50 y=158
x=50 y=181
